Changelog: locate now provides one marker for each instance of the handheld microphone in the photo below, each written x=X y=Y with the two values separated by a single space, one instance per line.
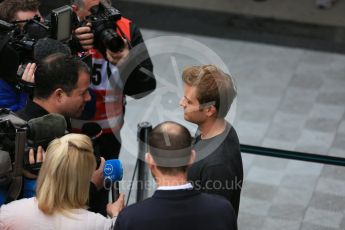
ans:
x=113 y=173
x=92 y=130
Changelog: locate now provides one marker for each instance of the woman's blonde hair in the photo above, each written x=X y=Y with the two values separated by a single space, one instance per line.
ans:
x=64 y=179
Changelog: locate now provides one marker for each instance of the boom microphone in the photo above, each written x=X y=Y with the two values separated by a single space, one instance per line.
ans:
x=44 y=129
x=113 y=173
x=40 y=132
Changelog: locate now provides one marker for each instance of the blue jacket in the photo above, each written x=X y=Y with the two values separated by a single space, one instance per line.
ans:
x=10 y=97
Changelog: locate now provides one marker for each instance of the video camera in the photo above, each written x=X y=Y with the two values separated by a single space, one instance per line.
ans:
x=59 y=27
x=10 y=124
x=103 y=20
x=36 y=132
x=16 y=138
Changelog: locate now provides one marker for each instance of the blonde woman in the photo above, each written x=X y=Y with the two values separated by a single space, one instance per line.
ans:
x=62 y=192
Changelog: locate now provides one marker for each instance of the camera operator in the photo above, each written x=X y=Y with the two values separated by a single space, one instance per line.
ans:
x=10 y=96
x=107 y=65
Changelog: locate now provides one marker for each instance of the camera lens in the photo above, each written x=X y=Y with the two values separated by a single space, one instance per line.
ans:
x=111 y=40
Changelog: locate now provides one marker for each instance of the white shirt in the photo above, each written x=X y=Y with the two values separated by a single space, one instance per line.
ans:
x=176 y=187
x=25 y=214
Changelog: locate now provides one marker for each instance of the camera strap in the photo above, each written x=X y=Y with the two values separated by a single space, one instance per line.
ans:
x=123 y=35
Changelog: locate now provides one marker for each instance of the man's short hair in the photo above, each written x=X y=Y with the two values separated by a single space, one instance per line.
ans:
x=213 y=87
x=58 y=71
x=170 y=146
x=9 y=8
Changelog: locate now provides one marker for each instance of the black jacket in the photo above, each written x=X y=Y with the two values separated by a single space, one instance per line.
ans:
x=178 y=209
x=33 y=110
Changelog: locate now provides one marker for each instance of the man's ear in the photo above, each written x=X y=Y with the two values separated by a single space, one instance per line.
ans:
x=192 y=158
x=149 y=160
x=211 y=111
x=58 y=94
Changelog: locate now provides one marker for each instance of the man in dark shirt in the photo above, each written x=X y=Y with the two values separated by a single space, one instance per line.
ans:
x=208 y=95
x=62 y=84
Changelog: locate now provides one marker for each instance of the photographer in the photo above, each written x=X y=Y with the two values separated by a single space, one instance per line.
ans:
x=107 y=66
x=18 y=10
x=10 y=96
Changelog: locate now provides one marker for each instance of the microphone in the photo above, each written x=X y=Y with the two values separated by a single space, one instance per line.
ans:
x=40 y=132
x=43 y=130
x=112 y=170
x=92 y=130
x=113 y=173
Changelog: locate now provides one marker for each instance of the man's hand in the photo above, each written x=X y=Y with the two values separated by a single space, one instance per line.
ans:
x=113 y=209
x=97 y=177
x=119 y=57
x=85 y=36
x=29 y=73
x=40 y=157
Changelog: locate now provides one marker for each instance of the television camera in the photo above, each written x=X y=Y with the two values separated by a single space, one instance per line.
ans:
x=17 y=137
x=22 y=40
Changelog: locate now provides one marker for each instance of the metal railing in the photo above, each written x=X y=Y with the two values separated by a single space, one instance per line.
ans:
x=145 y=127
x=301 y=156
